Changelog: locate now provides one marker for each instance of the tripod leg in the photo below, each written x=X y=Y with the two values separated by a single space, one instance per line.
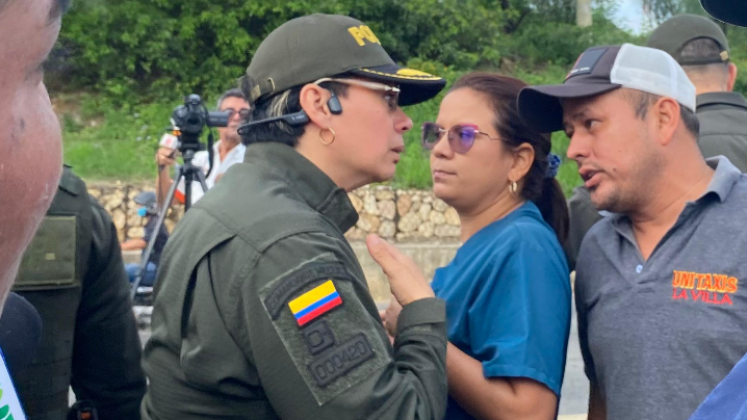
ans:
x=159 y=222
x=201 y=178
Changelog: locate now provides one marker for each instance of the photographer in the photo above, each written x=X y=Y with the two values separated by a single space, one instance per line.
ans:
x=226 y=152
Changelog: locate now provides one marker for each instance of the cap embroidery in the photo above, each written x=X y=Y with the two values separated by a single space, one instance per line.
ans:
x=363 y=33
x=586 y=62
x=425 y=76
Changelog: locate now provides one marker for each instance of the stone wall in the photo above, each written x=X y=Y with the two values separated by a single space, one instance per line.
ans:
x=400 y=215
x=118 y=199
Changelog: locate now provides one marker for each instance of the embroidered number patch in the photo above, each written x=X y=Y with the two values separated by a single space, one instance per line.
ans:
x=338 y=361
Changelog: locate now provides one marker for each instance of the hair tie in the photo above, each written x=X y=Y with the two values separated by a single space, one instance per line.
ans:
x=553 y=164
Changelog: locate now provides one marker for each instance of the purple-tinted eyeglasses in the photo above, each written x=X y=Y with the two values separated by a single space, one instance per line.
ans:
x=461 y=137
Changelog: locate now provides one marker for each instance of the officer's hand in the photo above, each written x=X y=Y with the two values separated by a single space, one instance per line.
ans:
x=406 y=281
x=165 y=156
x=390 y=316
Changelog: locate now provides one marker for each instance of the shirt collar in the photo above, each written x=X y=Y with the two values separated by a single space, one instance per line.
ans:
x=306 y=179
x=721 y=98
x=724 y=178
x=238 y=148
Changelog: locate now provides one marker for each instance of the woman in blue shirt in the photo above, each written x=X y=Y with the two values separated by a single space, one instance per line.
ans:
x=507 y=291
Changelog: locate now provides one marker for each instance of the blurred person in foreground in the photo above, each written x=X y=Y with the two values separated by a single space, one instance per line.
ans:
x=671 y=251
x=261 y=309
x=507 y=290
x=30 y=138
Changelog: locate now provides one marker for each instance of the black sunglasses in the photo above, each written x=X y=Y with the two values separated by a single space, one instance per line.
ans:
x=461 y=137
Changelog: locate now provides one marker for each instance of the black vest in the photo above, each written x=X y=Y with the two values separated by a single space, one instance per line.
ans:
x=50 y=278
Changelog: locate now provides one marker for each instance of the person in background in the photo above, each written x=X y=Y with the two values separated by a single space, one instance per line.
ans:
x=73 y=274
x=701 y=48
x=728 y=401
x=699 y=45
x=507 y=291
x=227 y=151
x=671 y=251
x=147 y=202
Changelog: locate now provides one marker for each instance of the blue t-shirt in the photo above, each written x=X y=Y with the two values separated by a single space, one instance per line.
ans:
x=729 y=400
x=508 y=301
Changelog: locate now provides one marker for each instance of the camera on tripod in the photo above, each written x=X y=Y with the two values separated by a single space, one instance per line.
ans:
x=188 y=120
x=191 y=118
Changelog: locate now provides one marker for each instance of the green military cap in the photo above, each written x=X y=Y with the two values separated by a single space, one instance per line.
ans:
x=312 y=47
x=676 y=32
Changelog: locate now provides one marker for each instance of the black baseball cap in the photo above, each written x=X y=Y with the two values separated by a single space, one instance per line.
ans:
x=312 y=47
x=729 y=11
x=672 y=35
x=603 y=69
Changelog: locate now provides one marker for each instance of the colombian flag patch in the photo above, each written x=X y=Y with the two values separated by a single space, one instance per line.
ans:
x=315 y=302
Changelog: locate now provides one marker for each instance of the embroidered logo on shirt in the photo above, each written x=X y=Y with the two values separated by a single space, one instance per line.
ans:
x=315 y=302
x=709 y=288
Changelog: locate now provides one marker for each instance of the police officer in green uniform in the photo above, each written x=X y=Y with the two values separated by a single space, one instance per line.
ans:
x=261 y=308
x=73 y=274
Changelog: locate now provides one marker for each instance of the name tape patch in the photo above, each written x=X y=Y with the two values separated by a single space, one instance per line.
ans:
x=340 y=360
x=275 y=300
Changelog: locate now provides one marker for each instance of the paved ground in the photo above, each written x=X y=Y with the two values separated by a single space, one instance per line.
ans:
x=575 y=392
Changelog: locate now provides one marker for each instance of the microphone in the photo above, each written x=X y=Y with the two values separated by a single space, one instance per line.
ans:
x=20 y=332
x=169 y=140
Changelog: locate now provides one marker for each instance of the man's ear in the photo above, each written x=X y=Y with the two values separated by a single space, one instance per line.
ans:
x=666 y=112
x=731 y=77
x=313 y=99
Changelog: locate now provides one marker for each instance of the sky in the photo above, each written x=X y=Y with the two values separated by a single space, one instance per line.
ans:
x=629 y=15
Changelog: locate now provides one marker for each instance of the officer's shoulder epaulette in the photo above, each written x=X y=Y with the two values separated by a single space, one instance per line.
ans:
x=71 y=183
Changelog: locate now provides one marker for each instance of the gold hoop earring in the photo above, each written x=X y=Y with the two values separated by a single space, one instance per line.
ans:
x=513 y=187
x=321 y=136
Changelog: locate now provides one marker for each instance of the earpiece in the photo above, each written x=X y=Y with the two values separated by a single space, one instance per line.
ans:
x=334 y=105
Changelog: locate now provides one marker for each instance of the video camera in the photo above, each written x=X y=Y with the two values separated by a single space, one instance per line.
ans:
x=191 y=118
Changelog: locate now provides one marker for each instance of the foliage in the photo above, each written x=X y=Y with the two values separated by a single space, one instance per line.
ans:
x=134 y=50
x=104 y=140
x=664 y=9
x=134 y=59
